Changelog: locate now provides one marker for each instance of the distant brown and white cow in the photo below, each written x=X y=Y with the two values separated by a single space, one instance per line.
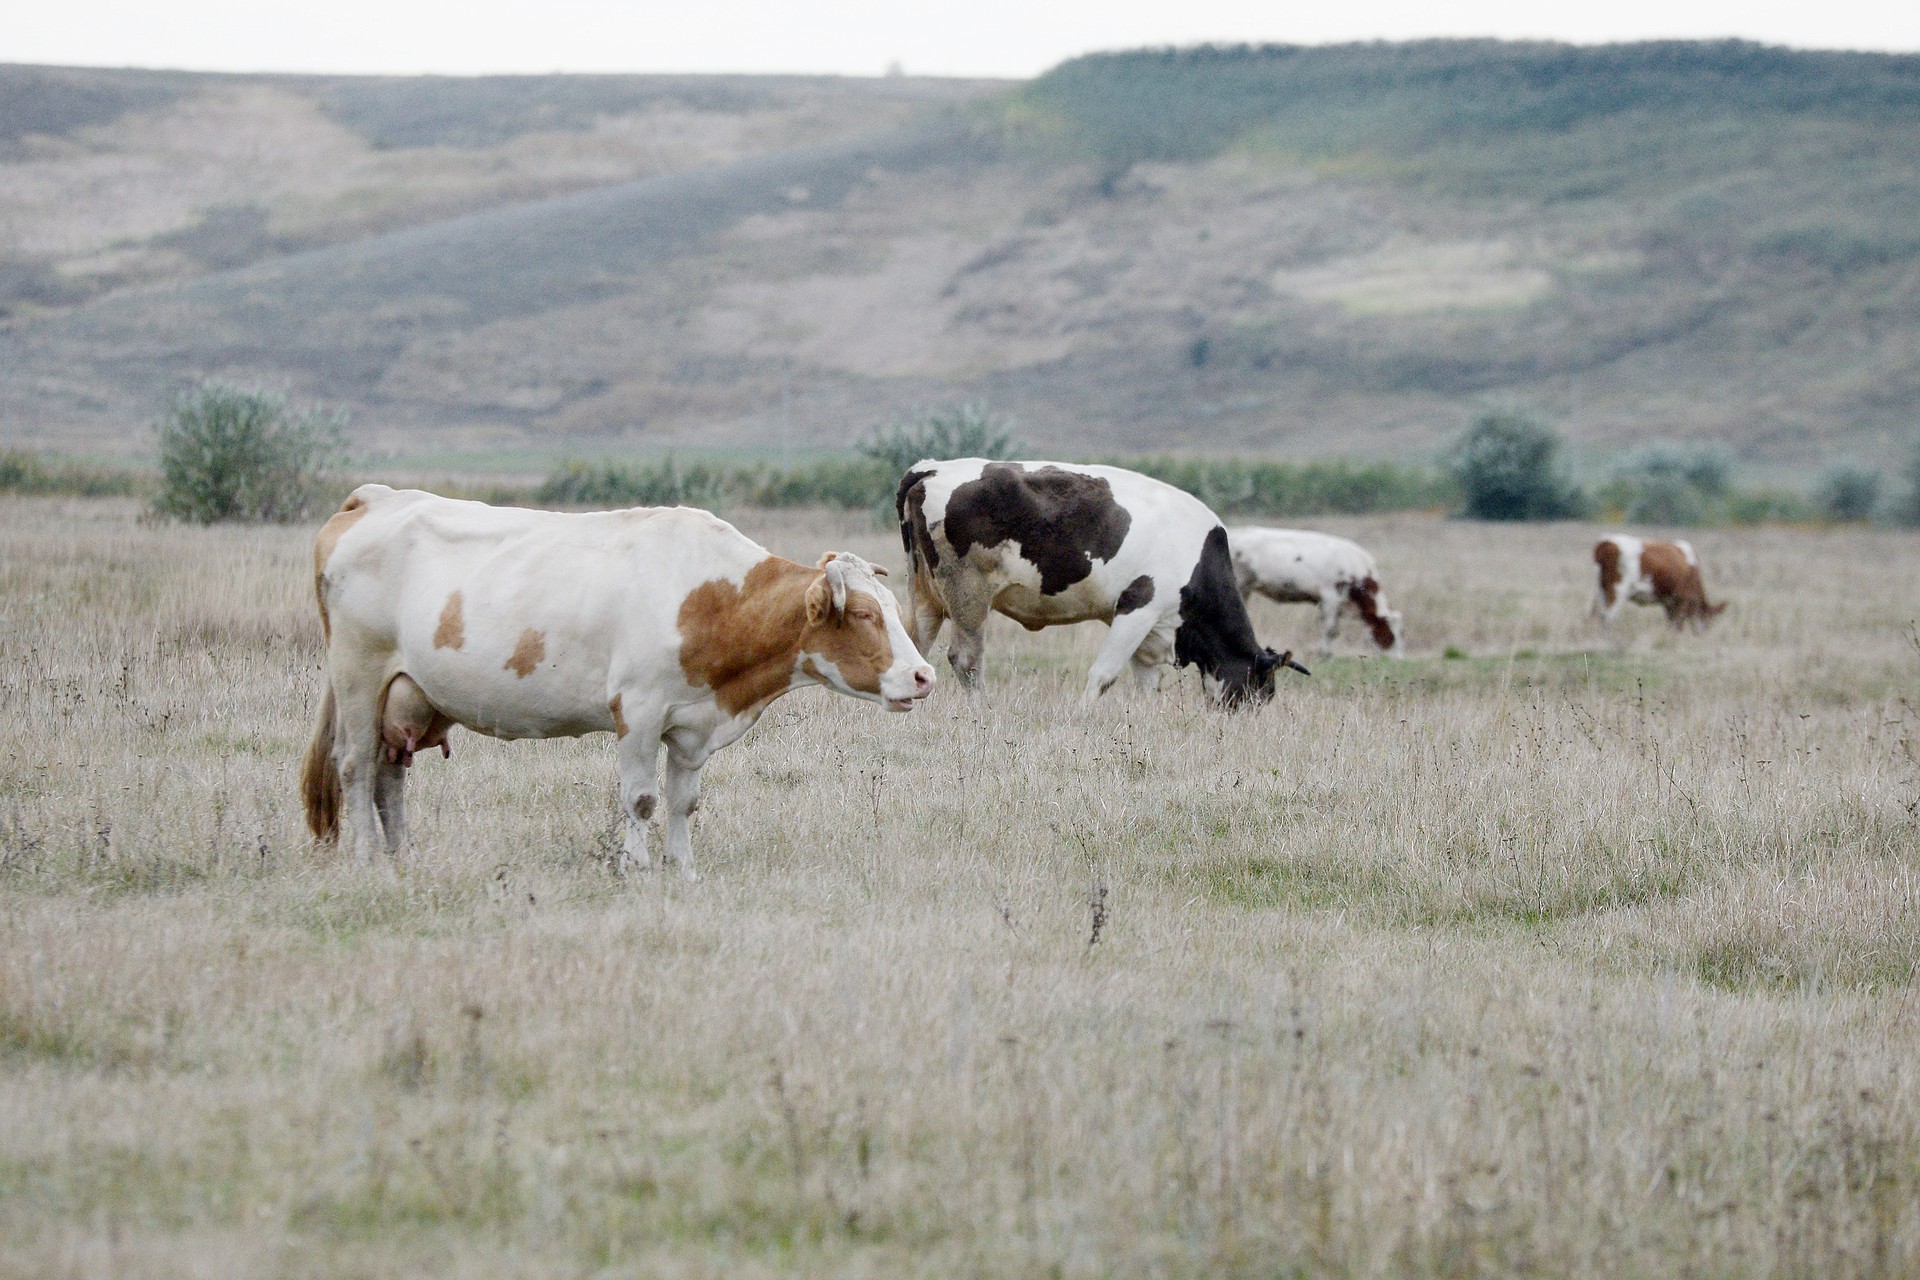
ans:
x=1050 y=543
x=1649 y=572
x=1299 y=566
x=662 y=626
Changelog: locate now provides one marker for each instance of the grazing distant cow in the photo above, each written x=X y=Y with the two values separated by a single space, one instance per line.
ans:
x=1646 y=572
x=662 y=626
x=1048 y=543
x=1298 y=566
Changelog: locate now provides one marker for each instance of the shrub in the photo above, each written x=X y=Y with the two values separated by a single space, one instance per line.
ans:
x=1664 y=497
x=1907 y=510
x=1233 y=487
x=1668 y=483
x=1707 y=468
x=968 y=431
x=1508 y=467
x=1848 y=492
x=1764 y=506
x=610 y=484
x=233 y=454
x=23 y=471
x=850 y=484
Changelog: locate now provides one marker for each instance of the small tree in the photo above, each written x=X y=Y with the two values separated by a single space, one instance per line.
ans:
x=968 y=431
x=233 y=454
x=1508 y=466
x=1849 y=492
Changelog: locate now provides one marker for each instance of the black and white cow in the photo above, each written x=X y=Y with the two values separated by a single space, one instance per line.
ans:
x=1051 y=543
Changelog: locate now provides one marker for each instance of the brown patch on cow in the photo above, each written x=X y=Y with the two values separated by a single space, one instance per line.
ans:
x=1676 y=584
x=1062 y=520
x=1138 y=595
x=1606 y=554
x=452 y=631
x=743 y=641
x=323 y=544
x=527 y=653
x=619 y=721
x=1365 y=595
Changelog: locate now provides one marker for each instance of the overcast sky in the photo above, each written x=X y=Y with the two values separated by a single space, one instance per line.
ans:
x=856 y=37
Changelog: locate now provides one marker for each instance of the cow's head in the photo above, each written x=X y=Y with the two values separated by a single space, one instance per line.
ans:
x=1238 y=682
x=853 y=640
x=1387 y=634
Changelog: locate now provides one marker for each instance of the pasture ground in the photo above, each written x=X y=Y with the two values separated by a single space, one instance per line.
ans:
x=1546 y=960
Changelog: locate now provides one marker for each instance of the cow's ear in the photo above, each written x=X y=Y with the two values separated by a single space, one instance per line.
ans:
x=819 y=600
x=1265 y=662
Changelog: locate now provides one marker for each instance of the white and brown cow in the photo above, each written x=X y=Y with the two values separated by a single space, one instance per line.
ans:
x=1649 y=572
x=1051 y=543
x=663 y=626
x=1299 y=566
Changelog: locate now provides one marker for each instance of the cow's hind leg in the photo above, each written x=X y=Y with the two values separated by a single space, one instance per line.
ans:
x=390 y=799
x=925 y=612
x=1606 y=607
x=357 y=753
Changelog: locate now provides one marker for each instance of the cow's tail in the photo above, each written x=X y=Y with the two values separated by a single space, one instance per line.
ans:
x=320 y=776
x=923 y=617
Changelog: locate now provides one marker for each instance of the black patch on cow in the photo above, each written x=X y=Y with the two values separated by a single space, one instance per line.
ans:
x=914 y=538
x=1215 y=633
x=1138 y=595
x=1062 y=520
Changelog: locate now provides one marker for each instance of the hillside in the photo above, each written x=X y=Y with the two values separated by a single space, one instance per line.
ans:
x=1279 y=250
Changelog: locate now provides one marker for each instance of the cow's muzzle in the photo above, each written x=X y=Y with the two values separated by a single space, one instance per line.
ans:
x=923 y=681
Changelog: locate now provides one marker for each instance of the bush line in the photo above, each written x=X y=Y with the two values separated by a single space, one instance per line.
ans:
x=1236 y=488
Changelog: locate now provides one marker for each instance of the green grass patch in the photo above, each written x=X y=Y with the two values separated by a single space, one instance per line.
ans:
x=1268 y=883
x=1600 y=672
x=1777 y=962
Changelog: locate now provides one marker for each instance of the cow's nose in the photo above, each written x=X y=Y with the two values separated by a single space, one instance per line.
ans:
x=922 y=681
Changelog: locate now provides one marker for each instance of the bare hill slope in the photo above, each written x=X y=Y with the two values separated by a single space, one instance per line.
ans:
x=1281 y=250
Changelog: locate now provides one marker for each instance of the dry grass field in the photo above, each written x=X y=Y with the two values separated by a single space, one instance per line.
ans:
x=1543 y=960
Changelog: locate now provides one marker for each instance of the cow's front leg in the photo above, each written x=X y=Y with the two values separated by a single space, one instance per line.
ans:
x=1330 y=603
x=682 y=794
x=1150 y=660
x=1129 y=633
x=639 y=754
x=968 y=604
